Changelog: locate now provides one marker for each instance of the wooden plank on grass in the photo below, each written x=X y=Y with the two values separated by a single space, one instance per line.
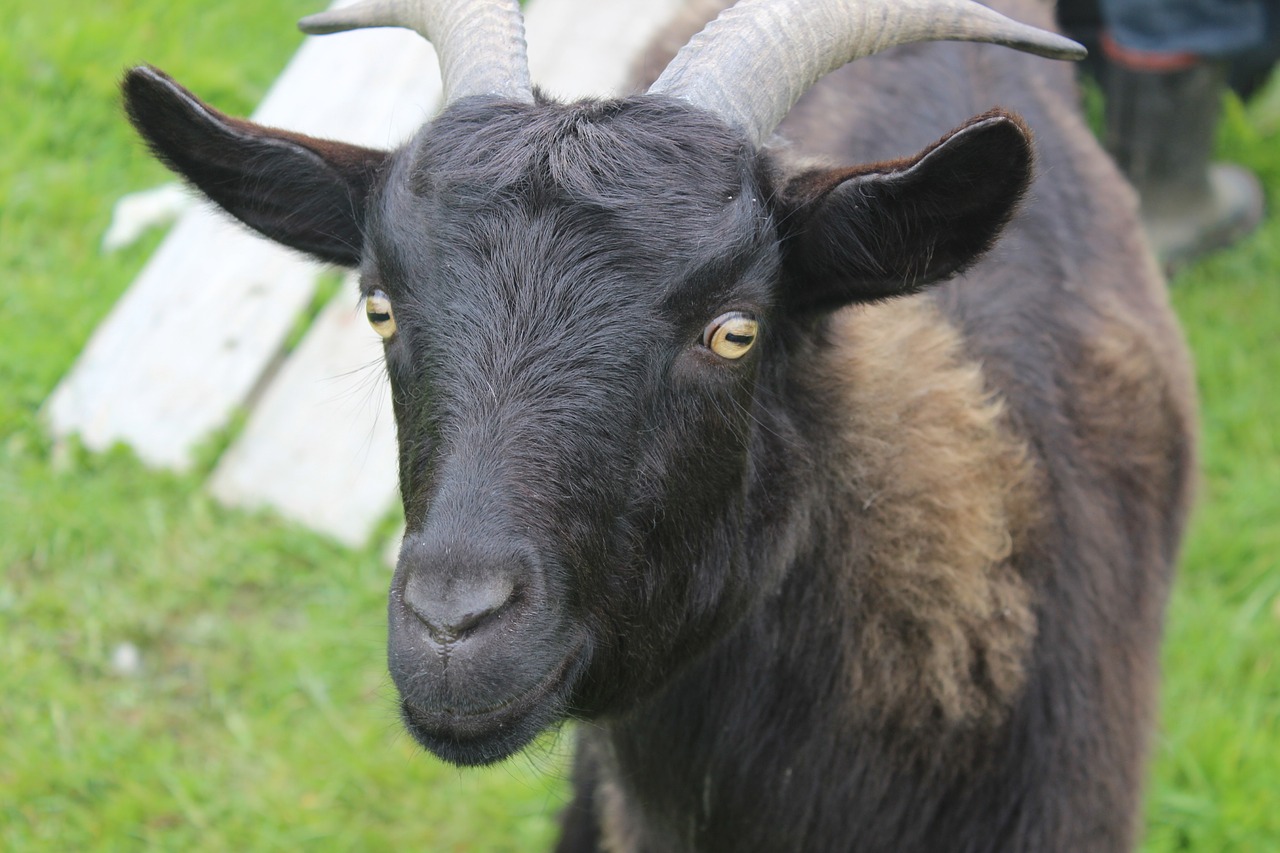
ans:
x=186 y=344
x=193 y=337
x=319 y=447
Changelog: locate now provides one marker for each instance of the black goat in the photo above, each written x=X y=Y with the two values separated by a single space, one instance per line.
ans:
x=698 y=446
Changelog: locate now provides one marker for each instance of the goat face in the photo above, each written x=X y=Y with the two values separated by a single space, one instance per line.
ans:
x=553 y=271
x=594 y=480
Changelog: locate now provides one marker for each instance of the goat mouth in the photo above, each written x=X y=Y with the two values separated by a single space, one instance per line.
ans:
x=476 y=738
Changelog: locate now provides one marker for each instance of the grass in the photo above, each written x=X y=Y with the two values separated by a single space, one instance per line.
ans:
x=257 y=714
x=1217 y=772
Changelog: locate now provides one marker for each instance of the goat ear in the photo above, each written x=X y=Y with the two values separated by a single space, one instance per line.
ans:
x=308 y=194
x=890 y=229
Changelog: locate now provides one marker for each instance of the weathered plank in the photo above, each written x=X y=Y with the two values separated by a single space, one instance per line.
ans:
x=185 y=345
x=320 y=445
x=195 y=333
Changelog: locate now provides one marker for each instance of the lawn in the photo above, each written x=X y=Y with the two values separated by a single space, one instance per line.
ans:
x=178 y=676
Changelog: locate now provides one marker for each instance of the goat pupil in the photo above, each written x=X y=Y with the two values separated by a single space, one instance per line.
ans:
x=738 y=339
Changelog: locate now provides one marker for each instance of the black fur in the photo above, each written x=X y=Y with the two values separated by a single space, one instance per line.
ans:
x=608 y=521
x=889 y=229
x=308 y=194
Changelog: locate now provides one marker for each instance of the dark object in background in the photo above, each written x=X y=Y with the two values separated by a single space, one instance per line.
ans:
x=1162 y=111
x=1247 y=71
x=1160 y=130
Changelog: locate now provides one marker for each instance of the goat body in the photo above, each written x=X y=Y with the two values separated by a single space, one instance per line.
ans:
x=893 y=579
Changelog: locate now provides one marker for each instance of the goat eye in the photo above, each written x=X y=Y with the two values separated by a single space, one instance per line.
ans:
x=378 y=308
x=731 y=335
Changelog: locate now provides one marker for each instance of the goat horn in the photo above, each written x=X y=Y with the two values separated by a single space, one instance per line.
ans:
x=480 y=42
x=753 y=62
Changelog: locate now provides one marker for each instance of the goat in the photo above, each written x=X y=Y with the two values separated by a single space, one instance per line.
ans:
x=841 y=526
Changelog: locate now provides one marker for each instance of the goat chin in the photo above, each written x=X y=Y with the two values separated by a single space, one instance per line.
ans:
x=477 y=710
x=477 y=738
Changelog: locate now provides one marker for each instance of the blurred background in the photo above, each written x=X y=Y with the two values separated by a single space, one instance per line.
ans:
x=175 y=675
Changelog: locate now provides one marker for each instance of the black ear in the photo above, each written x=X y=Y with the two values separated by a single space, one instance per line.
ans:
x=306 y=193
x=889 y=229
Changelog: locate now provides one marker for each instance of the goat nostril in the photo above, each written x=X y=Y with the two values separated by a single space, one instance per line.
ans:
x=451 y=614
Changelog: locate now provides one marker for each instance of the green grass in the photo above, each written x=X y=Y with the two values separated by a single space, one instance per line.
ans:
x=1218 y=760
x=260 y=716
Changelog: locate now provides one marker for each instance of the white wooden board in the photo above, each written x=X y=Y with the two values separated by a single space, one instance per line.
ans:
x=320 y=445
x=186 y=344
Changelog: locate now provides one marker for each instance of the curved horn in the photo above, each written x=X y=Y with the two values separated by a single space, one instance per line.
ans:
x=480 y=42
x=753 y=62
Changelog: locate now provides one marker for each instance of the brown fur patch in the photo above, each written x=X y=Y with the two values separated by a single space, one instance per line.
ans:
x=1133 y=401
x=944 y=495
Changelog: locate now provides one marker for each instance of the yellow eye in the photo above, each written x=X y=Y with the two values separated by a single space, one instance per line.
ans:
x=378 y=308
x=731 y=335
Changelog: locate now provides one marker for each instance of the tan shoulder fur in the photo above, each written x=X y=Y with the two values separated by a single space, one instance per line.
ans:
x=943 y=494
